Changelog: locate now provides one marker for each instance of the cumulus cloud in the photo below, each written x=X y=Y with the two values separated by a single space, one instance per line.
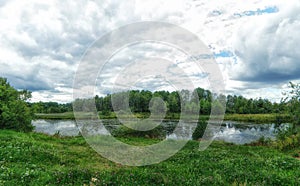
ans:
x=268 y=48
x=150 y=66
x=41 y=43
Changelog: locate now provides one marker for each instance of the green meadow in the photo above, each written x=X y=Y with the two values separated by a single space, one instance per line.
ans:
x=39 y=159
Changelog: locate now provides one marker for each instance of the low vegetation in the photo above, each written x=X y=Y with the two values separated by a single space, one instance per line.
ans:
x=287 y=139
x=259 y=118
x=253 y=118
x=38 y=159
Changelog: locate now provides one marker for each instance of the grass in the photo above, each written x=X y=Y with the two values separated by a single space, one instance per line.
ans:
x=66 y=115
x=259 y=118
x=254 y=118
x=109 y=115
x=38 y=159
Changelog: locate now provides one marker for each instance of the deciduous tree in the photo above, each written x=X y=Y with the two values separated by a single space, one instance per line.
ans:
x=14 y=111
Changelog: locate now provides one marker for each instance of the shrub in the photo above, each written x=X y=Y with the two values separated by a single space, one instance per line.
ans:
x=289 y=142
x=287 y=138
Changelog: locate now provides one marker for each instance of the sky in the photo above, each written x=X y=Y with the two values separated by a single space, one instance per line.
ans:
x=255 y=43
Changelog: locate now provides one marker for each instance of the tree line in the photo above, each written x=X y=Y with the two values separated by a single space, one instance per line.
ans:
x=139 y=101
x=50 y=107
x=16 y=112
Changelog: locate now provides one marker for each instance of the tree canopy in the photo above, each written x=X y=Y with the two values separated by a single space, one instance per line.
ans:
x=292 y=99
x=14 y=111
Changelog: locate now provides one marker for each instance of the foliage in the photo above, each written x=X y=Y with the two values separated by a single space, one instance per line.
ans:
x=262 y=141
x=189 y=101
x=14 y=111
x=288 y=142
x=289 y=138
x=292 y=99
x=51 y=107
x=200 y=129
x=240 y=105
x=37 y=159
x=284 y=132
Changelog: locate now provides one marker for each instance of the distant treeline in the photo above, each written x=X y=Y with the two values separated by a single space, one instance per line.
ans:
x=139 y=102
x=50 y=107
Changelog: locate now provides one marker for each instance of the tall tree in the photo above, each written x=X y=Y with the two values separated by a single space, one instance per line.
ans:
x=14 y=111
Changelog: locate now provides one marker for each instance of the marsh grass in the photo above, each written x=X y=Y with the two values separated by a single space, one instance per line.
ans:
x=254 y=118
x=259 y=118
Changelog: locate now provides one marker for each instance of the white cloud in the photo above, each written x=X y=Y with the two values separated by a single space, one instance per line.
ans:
x=268 y=47
x=41 y=43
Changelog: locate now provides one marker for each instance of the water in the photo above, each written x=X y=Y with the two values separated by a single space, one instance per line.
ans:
x=63 y=127
x=246 y=132
x=238 y=133
x=69 y=127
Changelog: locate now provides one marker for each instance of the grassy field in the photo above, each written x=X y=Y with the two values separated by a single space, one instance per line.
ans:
x=38 y=159
x=254 y=118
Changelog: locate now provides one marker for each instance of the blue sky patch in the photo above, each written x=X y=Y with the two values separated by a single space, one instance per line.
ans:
x=223 y=53
x=267 y=10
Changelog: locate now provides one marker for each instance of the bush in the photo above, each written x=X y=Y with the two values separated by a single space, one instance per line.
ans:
x=287 y=138
x=14 y=111
x=262 y=141
x=288 y=143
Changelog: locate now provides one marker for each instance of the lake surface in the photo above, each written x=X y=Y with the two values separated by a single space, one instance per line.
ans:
x=234 y=132
x=242 y=133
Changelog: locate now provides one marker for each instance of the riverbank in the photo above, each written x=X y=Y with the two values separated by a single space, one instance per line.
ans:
x=254 y=118
x=38 y=159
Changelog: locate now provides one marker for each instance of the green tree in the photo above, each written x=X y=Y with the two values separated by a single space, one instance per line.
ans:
x=218 y=107
x=174 y=102
x=14 y=111
x=158 y=106
x=205 y=106
x=293 y=101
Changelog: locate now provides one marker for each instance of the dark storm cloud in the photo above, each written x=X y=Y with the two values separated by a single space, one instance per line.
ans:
x=30 y=83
